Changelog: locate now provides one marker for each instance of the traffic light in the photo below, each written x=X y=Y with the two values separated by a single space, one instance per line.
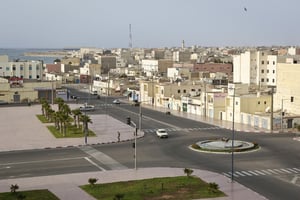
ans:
x=133 y=145
x=292 y=99
x=128 y=120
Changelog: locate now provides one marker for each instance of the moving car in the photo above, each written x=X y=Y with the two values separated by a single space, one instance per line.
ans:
x=86 y=107
x=162 y=133
x=116 y=101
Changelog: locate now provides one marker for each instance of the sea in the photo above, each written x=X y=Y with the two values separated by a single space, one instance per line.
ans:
x=18 y=54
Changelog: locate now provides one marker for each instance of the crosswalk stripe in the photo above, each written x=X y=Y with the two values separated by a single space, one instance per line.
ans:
x=294 y=171
x=239 y=173
x=234 y=174
x=286 y=171
x=259 y=172
x=225 y=174
x=297 y=169
x=265 y=171
x=252 y=172
x=247 y=173
x=278 y=170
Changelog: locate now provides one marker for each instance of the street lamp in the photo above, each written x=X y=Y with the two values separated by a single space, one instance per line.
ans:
x=232 y=140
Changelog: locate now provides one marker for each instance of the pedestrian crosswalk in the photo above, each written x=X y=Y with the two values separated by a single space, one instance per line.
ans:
x=183 y=129
x=263 y=172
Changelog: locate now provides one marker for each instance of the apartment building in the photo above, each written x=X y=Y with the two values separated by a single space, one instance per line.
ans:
x=256 y=68
x=287 y=96
x=32 y=70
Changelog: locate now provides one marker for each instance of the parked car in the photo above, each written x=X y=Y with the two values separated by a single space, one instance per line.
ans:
x=116 y=101
x=162 y=133
x=86 y=107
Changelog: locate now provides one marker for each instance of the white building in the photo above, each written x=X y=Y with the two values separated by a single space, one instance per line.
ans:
x=256 y=68
x=150 y=67
x=22 y=69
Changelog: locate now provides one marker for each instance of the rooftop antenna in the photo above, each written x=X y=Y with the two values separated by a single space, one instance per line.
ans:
x=130 y=37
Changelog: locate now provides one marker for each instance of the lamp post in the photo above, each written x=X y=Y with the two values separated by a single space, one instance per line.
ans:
x=232 y=140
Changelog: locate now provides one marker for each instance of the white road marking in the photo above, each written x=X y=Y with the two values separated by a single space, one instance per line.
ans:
x=93 y=163
x=294 y=180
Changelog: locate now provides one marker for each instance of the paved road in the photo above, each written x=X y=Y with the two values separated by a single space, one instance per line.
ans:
x=21 y=130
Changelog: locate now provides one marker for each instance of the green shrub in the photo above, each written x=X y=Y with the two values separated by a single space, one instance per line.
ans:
x=14 y=188
x=92 y=181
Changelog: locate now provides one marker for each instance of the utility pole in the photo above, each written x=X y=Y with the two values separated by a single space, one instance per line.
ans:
x=272 y=109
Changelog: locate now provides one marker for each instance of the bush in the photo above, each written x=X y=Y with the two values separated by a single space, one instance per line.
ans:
x=213 y=187
x=14 y=188
x=92 y=181
x=188 y=172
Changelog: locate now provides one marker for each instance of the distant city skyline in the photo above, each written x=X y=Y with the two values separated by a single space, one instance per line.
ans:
x=165 y=23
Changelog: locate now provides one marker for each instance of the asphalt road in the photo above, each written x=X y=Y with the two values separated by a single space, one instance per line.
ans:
x=272 y=171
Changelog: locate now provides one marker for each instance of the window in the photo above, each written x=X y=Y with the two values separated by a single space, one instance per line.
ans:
x=178 y=91
x=273 y=62
x=262 y=80
x=262 y=53
x=14 y=68
x=267 y=62
x=37 y=76
x=273 y=80
x=37 y=67
x=265 y=102
x=267 y=71
x=21 y=67
x=7 y=68
x=184 y=91
x=258 y=102
x=267 y=80
x=30 y=67
x=262 y=71
x=273 y=71
x=262 y=62
x=30 y=76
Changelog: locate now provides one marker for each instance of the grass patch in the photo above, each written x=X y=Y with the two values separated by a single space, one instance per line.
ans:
x=174 y=188
x=43 y=119
x=32 y=195
x=72 y=132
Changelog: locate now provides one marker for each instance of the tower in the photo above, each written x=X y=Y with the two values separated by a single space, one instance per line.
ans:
x=130 y=37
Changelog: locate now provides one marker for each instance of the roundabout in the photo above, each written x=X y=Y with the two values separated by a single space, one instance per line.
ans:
x=224 y=145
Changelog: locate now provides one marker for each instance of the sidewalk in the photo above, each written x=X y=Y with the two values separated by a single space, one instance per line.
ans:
x=22 y=130
x=216 y=122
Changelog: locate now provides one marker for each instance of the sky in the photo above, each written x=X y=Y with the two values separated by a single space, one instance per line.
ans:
x=154 y=24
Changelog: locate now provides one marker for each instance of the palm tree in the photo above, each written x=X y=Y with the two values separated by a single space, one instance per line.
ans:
x=85 y=120
x=60 y=102
x=76 y=113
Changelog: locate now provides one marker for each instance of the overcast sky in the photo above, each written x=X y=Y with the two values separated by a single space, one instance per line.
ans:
x=154 y=23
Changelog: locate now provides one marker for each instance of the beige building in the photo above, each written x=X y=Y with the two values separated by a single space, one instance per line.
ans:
x=27 y=92
x=288 y=84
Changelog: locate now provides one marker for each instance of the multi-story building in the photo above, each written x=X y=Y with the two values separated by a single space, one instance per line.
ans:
x=255 y=68
x=32 y=70
x=287 y=96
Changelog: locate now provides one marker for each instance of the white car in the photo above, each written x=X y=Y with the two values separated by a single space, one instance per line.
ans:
x=162 y=133
x=116 y=101
x=86 y=107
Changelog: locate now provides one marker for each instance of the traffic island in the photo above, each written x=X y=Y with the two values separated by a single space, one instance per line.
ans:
x=224 y=145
